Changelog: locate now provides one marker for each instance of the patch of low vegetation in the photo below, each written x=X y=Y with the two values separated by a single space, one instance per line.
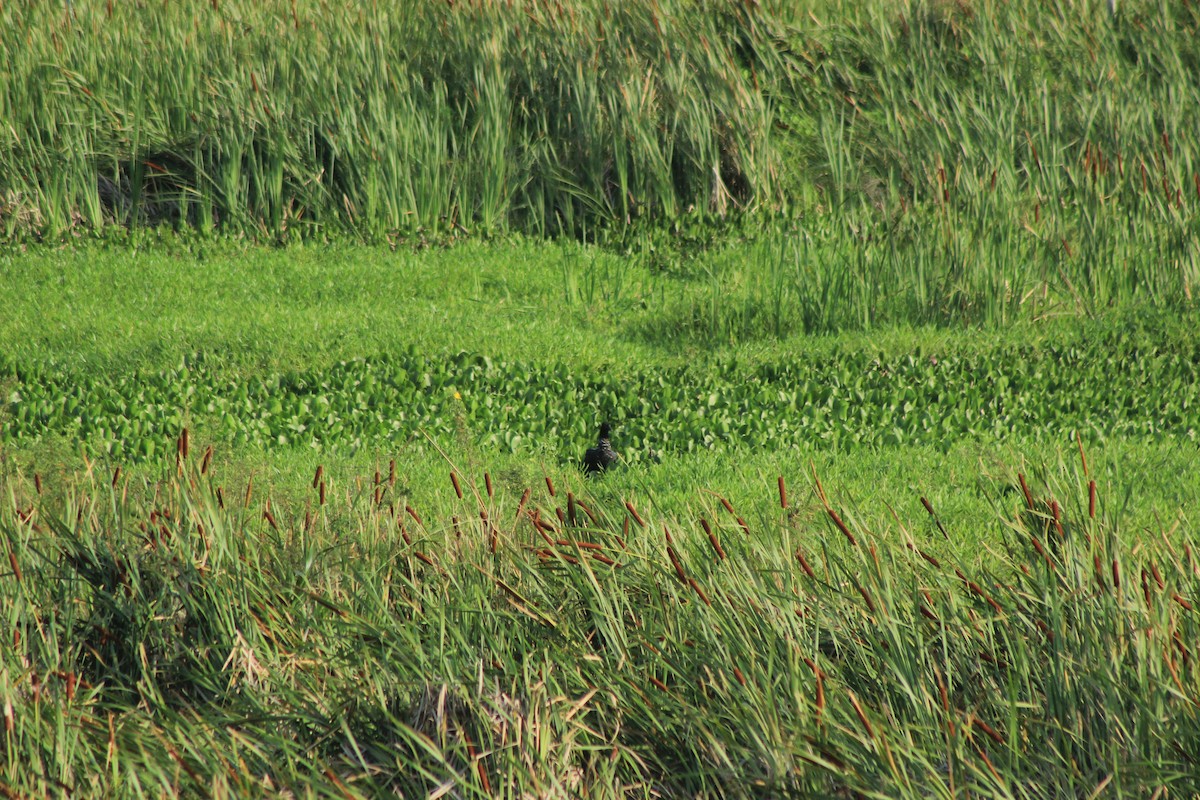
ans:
x=171 y=634
x=1101 y=382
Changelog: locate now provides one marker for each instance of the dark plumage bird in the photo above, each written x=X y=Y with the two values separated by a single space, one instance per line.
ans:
x=600 y=457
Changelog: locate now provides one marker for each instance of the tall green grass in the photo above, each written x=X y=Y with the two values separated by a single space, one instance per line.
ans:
x=274 y=118
x=187 y=635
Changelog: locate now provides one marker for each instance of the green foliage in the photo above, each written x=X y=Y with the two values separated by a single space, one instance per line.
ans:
x=173 y=636
x=278 y=120
x=1103 y=382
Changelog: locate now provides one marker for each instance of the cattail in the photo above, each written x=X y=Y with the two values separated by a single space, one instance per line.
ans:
x=549 y=486
x=696 y=588
x=603 y=559
x=424 y=558
x=679 y=573
x=1157 y=577
x=712 y=539
x=658 y=684
x=1025 y=491
x=919 y=552
x=586 y=510
x=536 y=518
x=392 y=472
x=454 y=480
x=633 y=512
x=204 y=463
x=744 y=526
x=249 y=491
x=321 y=493
x=16 y=568
x=270 y=518
x=1116 y=575
x=183 y=444
x=562 y=518
x=782 y=493
x=457 y=530
x=487 y=482
x=378 y=479
x=925 y=612
x=403 y=531
x=37 y=482
x=933 y=514
x=581 y=545
x=1099 y=570
x=571 y=509
x=1178 y=598
x=71 y=683
x=861 y=716
x=1091 y=499
x=317 y=476
x=413 y=513
x=737 y=673
x=728 y=506
x=989 y=730
x=1054 y=510
x=841 y=526
x=1038 y=547
x=804 y=565
x=521 y=505
x=116 y=477
x=865 y=596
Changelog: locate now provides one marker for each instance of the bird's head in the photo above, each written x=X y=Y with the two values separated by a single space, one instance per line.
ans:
x=605 y=430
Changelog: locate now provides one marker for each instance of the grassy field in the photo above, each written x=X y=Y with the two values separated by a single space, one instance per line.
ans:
x=306 y=326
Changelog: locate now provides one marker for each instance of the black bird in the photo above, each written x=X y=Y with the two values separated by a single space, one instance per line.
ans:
x=600 y=457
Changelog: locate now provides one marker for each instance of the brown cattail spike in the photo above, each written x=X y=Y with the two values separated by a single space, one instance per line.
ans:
x=782 y=493
x=549 y=486
x=454 y=480
x=936 y=521
x=487 y=482
x=317 y=475
x=1025 y=491
x=521 y=505
x=804 y=565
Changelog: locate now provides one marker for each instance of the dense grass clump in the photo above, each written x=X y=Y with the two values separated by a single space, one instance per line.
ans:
x=273 y=118
x=181 y=635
